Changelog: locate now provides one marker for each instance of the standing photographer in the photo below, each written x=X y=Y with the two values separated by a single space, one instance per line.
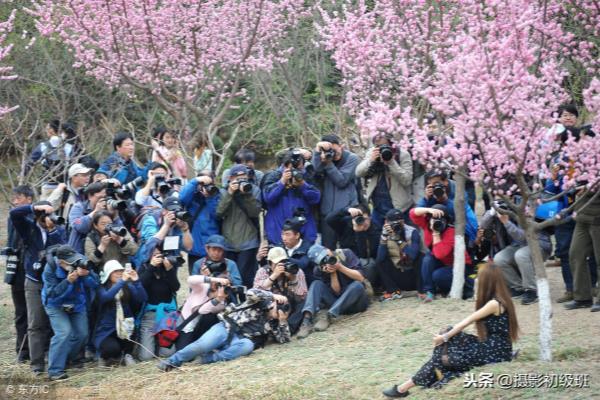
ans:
x=335 y=171
x=200 y=197
x=36 y=226
x=283 y=276
x=338 y=285
x=215 y=261
x=121 y=164
x=158 y=187
x=107 y=242
x=238 y=210
x=398 y=256
x=68 y=284
x=436 y=268
x=389 y=171
x=66 y=195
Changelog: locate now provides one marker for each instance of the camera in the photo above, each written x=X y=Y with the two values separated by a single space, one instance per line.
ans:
x=117 y=230
x=245 y=186
x=115 y=204
x=359 y=219
x=439 y=190
x=299 y=215
x=488 y=233
x=128 y=190
x=215 y=267
x=439 y=225
x=12 y=263
x=285 y=307
x=396 y=226
x=161 y=185
x=56 y=220
x=183 y=216
x=386 y=152
x=83 y=264
x=210 y=189
x=174 y=257
x=297 y=175
x=328 y=260
x=291 y=267
x=501 y=204
x=296 y=158
x=329 y=154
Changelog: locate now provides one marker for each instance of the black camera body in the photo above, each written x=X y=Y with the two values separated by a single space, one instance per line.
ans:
x=396 y=226
x=328 y=260
x=245 y=185
x=183 y=216
x=56 y=219
x=439 y=224
x=83 y=263
x=127 y=191
x=296 y=158
x=297 y=175
x=291 y=267
x=210 y=189
x=285 y=307
x=117 y=230
x=174 y=257
x=216 y=267
x=386 y=152
x=489 y=233
x=329 y=154
x=161 y=185
x=439 y=190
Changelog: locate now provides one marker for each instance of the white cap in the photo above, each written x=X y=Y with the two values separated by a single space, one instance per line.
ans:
x=110 y=267
x=78 y=169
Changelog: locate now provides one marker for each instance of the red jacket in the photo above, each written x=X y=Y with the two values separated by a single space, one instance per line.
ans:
x=444 y=250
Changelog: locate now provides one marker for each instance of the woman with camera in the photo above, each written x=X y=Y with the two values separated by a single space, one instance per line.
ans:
x=120 y=297
x=398 y=256
x=159 y=278
x=108 y=241
x=455 y=352
x=438 y=234
x=283 y=276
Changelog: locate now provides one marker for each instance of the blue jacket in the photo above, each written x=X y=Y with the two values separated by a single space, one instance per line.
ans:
x=107 y=315
x=58 y=291
x=123 y=170
x=471 y=225
x=206 y=223
x=34 y=252
x=80 y=221
x=232 y=269
x=281 y=202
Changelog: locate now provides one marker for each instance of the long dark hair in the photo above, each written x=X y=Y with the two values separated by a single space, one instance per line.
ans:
x=126 y=293
x=491 y=285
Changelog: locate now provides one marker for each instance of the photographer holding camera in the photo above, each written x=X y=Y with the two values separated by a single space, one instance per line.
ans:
x=108 y=241
x=37 y=227
x=15 y=271
x=398 y=256
x=283 y=276
x=285 y=190
x=215 y=261
x=241 y=329
x=120 y=163
x=440 y=190
x=437 y=264
x=68 y=284
x=358 y=232
x=66 y=195
x=338 y=285
x=201 y=197
x=238 y=211
x=492 y=236
x=159 y=278
x=171 y=220
x=335 y=171
x=389 y=172
x=158 y=187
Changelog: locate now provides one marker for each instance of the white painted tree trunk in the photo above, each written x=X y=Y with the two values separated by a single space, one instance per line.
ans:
x=458 y=273
x=543 y=290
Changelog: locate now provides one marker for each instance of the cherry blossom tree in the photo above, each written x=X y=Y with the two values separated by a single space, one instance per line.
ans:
x=191 y=56
x=6 y=72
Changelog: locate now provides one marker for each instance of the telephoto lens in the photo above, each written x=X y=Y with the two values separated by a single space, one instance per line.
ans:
x=439 y=225
x=245 y=186
x=386 y=152
x=210 y=189
x=439 y=190
x=117 y=230
x=359 y=219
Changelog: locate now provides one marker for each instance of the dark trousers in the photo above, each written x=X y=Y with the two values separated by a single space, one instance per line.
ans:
x=246 y=263
x=437 y=277
x=393 y=278
x=352 y=300
x=585 y=243
x=564 y=235
x=38 y=325
x=329 y=238
x=191 y=261
x=114 y=347
x=18 y=298
x=205 y=322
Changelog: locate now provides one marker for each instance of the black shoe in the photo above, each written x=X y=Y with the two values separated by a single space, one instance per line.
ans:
x=575 y=304
x=37 y=370
x=77 y=364
x=393 y=392
x=596 y=307
x=529 y=297
x=514 y=293
x=23 y=358
x=59 y=377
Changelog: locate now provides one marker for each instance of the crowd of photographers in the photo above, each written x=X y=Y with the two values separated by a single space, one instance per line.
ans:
x=94 y=262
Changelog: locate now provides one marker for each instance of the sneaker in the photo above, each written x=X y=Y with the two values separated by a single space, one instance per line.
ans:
x=397 y=295
x=428 y=297
x=515 y=293
x=387 y=296
x=129 y=361
x=58 y=377
x=394 y=393
x=37 y=370
x=575 y=304
x=568 y=296
x=165 y=366
x=322 y=321
x=305 y=329
x=102 y=363
x=529 y=297
x=596 y=306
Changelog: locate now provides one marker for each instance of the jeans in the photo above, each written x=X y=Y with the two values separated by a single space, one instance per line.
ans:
x=437 y=277
x=214 y=339
x=246 y=263
x=352 y=300
x=70 y=335
x=38 y=327
x=148 y=340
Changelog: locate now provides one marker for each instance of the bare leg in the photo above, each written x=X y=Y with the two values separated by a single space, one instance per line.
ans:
x=406 y=385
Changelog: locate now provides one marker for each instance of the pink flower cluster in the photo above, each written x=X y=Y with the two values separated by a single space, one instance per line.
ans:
x=6 y=72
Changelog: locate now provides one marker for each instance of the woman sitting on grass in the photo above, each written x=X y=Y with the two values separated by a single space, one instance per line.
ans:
x=456 y=352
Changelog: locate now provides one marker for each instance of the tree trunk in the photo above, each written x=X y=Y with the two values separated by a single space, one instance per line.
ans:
x=543 y=291
x=458 y=273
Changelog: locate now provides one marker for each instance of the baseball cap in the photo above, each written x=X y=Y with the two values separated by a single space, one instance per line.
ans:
x=68 y=254
x=216 y=241
x=238 y=169
x=394 y=215
x=317 y=253
x=277 y=255
x=172 y=203
x=78 y=169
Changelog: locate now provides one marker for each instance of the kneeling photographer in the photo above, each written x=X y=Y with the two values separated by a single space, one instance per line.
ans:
x=437 y=264
x=283 y=276
x=68 y=283
x=399 y=257
x=339 y=284
x=241 y=329
x=215 y=260
x=108 y=241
